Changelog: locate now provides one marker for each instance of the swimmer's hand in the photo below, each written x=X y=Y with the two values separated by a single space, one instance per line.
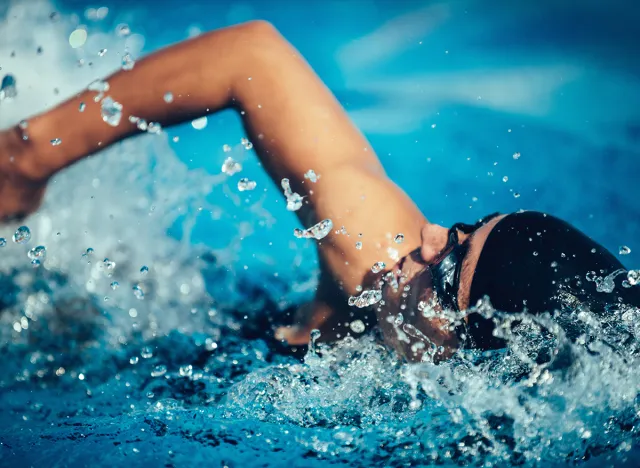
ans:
x=314 y=315
x=22 y=184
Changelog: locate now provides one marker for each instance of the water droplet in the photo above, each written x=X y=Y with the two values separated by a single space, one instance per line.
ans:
x=22 y=235
x=246 y=184
x=399 y=239
x=134 y=360
x=137 y=292
x=246 y=143
x=359 y=245
x=294 y=200
x=366 y=299
x=200 y=123
x=144 y=270
x=146 y=352
x=127 y=63
x=39 y=252
x=230 y=166
x=56 y=141
x=210 y=345
x=357 y=326
x=82 y=107
x=3 y=241
x=516 y=155
x=35 y=263
x=159 y=370
x=554 y=264
x=154 y=128
x=226 y=148
x=114 y=285
x=633 y=277
x=99 y=86
x=102 y=52
x=593 y=250
x=516 y=195
x=624 y=250
x=535 y=254
x=8 y=88
x=311 y=176
x=505 y=179
x=378 y=267
x=168 y=97
x=111 y=111
x=123 y=30
x=186 y=371
x=108 y=264
x=318 y=231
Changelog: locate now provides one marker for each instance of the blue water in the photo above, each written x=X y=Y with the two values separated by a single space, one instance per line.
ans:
x=447 y=93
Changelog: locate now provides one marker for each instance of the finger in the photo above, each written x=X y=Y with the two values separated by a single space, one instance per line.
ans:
x=293 y=335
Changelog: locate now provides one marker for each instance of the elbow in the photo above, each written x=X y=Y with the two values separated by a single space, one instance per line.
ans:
x=259 y=31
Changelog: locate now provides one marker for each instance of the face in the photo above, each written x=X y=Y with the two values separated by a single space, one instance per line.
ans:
x=410 y=315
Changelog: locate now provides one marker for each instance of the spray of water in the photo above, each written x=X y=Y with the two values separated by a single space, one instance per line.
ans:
x=149 y=368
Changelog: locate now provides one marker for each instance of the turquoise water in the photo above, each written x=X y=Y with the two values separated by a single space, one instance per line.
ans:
x=447 y=93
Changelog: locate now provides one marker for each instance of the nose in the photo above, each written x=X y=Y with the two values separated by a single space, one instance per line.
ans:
x=434 y=239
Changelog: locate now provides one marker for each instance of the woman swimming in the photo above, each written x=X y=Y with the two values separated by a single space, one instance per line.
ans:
x=521 y=261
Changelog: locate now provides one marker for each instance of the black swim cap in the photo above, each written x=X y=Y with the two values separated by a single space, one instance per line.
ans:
x=533 y=261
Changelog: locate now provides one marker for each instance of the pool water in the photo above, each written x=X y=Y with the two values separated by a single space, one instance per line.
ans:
x=145 y=337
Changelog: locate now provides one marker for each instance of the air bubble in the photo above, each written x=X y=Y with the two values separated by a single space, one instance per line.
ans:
x=114 y=285
x=144 y=270
x=399 y=239
x=3 y=241
x=359 y=245
x=516 y=155
x=378 y=267
x=56 y=142
x=624 y=250
x=146 y=352
x=633 y=277
x=168 y=98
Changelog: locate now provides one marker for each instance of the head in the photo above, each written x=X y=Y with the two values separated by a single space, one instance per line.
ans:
x=523 y=262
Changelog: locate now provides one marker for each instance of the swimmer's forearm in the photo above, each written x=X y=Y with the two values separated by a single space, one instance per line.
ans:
x=200 y=73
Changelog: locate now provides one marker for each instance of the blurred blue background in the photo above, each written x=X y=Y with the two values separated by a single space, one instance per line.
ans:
x=447 y=92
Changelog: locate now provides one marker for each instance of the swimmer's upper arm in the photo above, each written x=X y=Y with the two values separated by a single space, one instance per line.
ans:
x=296 y=124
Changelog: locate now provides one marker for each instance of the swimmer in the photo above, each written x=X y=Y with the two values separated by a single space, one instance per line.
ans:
x=525 y=261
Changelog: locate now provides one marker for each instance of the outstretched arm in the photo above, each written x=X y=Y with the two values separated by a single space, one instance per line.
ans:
x=293 y=120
